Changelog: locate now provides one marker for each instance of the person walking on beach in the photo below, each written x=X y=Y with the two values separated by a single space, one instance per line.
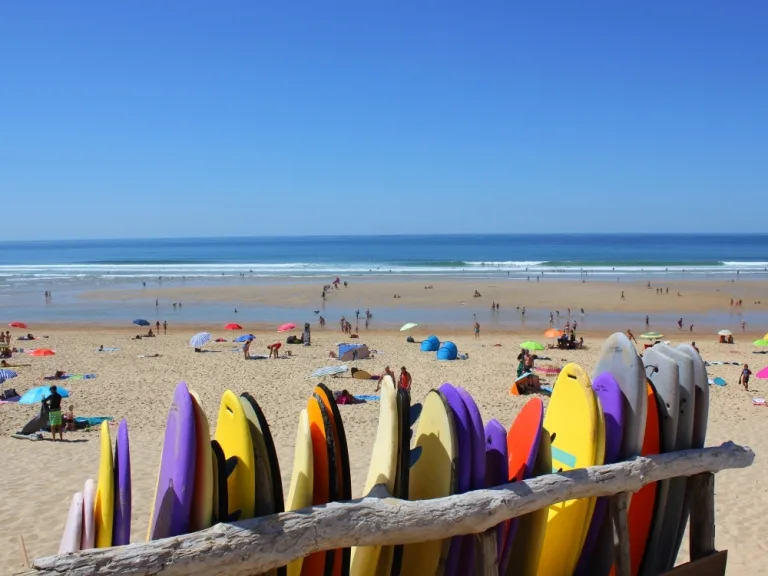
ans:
x=743 y=325
x=647 y=321
x=622 y=295
x=743 y=379
x=680 y=324
x=477 y=329
x=53 y=403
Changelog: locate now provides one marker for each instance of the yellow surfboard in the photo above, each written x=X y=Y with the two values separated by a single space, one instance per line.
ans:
x=573 y=419
x=432 y=476
x=234 y=436
x=105 y=492
x=382 y=470
x=202 y=497
x=300 y=492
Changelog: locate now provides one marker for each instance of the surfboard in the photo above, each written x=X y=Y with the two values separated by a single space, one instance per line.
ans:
x=599 y=457
x=477 y=470
x=220 y=508
x=461 y=546
x=531 y=529
x=643 y=503
x=406 y=416
x=496 y=469
x=522 y=448
x=700 y=418
x=234 y=436
x=269 y=489
x=432 y=476
x=382 y=470
x=104 y=511
x=172 y=502
x=597 y=553
x=573 y=418
x=619 y=357
x=673 y=512
x=121 y=531
x=300 y=491
x=88 y=539
x=203 y=490
x=325 y=486
x=343 y=472
x=73 y=529
x=662 y=373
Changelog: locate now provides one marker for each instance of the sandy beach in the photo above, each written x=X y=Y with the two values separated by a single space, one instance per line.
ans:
x=39 y=477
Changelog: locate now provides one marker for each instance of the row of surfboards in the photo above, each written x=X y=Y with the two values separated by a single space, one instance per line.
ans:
x=429 y=450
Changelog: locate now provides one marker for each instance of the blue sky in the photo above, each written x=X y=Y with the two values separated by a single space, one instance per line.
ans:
x=188 y=118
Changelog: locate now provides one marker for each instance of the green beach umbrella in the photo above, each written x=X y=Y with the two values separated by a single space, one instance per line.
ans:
x=531 y=345
x=761 y=342
x=408 y=326
x=652 y=335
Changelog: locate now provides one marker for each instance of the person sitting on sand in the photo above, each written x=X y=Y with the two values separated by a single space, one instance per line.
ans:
x=69 y=419
x=150 y=334
x=730 y=339
x=476 y=294
x=274 y=350
x=346 y=398
x=744 y=378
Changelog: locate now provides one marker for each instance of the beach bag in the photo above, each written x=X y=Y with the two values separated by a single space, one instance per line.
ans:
x=8 y=394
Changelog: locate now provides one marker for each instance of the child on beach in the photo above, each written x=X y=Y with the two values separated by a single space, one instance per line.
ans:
x=744 y=378
x=69 y=419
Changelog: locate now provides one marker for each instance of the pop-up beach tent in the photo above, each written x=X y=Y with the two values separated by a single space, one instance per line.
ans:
x=351 y=352
x=431 y=344
x=447 y=351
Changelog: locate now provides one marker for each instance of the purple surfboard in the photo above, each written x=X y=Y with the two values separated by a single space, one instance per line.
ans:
x=173 y=497
x=496 y=467
x=611 y=399
x=463 y=427
x=121 y=527
x=477 y=472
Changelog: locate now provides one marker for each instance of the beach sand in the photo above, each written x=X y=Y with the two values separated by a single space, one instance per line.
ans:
x=38 y=478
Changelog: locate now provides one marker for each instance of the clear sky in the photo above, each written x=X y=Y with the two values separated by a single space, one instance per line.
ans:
x=148 y=118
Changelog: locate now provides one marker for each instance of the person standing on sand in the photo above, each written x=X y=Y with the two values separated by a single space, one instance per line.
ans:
x=743 y=325
x=647 y=321
x=165 y=327
x=631 y=336
x=53 y=403
x=157 y=327
x=405 y=379
x=477 y=329
x=743 y=379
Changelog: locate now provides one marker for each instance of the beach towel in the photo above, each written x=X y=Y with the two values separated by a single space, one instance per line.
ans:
x=758 y=401
x=108 y=350
x=258 y=357
x=35 y=436
x=717 y=381
x=11 y=400
x=72 y=377
x=368 y=397
x=82 y=422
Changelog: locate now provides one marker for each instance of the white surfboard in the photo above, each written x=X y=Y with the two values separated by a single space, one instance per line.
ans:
x=88 y=539
x=73 y=529
x=662 y=372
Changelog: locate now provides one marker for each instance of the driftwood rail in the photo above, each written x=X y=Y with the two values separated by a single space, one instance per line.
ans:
x=257 y=545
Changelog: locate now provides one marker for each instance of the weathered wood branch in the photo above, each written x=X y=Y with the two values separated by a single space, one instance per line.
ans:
x=257 y=545
x=618 y=508
x=702 y=526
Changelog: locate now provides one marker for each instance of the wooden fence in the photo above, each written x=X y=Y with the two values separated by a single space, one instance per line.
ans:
x=259 y=544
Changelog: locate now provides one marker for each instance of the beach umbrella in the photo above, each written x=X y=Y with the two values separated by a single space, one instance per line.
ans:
x=244 y=338
x=18 y=325
x=287 y=327
x=328 y=371
x=724 y=333
x=6 y=374
x=531 y=345
x=763 y=342
x=199 y=339
x=40 y=393
x=233 y=327
x=652 y=335
x=141 y=322
x=553 y=333
x=408 y=326
x=41 y=352
x=763 y=373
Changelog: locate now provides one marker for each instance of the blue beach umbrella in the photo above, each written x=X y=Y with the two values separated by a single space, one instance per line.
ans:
x=199 y=339
x=141 y=322
x=35 y=395
x=244 y=338
x=6 y=374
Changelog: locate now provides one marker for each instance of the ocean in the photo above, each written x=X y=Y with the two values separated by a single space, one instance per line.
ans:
x=69 y=268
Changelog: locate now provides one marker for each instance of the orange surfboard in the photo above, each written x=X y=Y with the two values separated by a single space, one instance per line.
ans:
x=641 y=507
x=323 y=474
x=343 y=475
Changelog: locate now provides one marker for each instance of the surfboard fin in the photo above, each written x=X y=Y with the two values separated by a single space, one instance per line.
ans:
x=414 y=456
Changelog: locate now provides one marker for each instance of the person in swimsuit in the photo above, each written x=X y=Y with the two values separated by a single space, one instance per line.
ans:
x=477 y=329
x=53 y=403
x=744 y=378
x=274 y=350
x=405 y=379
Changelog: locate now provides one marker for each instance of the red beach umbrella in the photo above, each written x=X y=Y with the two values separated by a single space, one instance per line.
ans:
x=233 y=327
x=287 y=327
x=41 y=352
x=18 y=325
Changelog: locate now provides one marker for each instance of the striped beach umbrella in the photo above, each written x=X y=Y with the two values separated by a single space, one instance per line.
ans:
x=328 y=371
x=6 y=374
x=199 y=339
x=652 y=335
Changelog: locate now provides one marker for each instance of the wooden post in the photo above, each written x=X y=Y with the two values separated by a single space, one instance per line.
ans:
x=702 y=533
x=619 y=504
x=486 y=556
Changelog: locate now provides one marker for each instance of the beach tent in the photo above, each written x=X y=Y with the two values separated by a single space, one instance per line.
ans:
x=37 y=423
x=431 y=344
x=353 y=351
x=447 y=351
